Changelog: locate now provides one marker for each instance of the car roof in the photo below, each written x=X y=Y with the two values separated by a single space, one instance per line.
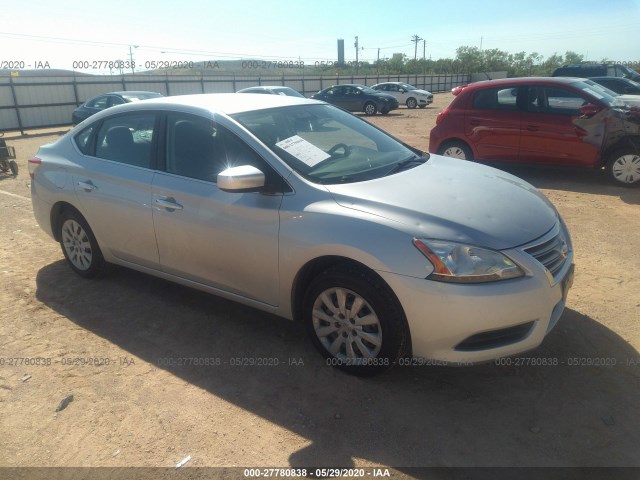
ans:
x=129 y=92
x=266 y=87
x=225 y=103
x=521 y=80
x=611 y=78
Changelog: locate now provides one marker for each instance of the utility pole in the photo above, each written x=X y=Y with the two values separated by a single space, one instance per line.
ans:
x=415 y=39
x=424 y=57
x=378 y=61
x=131 y=57
x=356 y=45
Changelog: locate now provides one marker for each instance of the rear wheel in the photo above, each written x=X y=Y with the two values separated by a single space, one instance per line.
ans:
x=13 y=166
x=370 y=108
x=623 y=167
x=412 y=103
x=355 y=321
x=79 y=245
x=456 y=149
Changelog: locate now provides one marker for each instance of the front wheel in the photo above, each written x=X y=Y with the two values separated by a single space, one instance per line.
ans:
x=456 y=149
x=411 y=103
x=370 y=108
x=13 y=166
x=623 y=167
x=80 y=246
x=355 y=321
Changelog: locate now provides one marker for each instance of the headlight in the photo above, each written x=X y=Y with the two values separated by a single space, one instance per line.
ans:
x=460 y=263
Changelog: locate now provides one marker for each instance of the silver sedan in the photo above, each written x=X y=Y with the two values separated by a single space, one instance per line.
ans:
x=389 y=255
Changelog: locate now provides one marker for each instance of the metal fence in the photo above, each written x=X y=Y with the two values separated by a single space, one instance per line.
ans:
x=35 y=102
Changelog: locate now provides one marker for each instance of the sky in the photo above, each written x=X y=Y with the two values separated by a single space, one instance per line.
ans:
x=57 y=34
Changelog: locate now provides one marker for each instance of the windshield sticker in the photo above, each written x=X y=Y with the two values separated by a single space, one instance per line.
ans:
x=304 y=151
x=594 y=93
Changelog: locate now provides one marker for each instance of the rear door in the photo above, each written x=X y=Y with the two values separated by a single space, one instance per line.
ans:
x=492 y=123
x=550 y=134
x=113 y=186
x=353 y=98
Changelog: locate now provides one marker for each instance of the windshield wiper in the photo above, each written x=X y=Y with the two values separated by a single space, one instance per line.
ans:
x=404 y=163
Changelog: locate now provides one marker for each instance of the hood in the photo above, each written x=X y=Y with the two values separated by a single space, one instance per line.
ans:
x=451 y=199
x=421 y=92
x=627 y=101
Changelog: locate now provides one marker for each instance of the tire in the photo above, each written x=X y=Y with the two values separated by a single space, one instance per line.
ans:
x=370 y=108
x=456 y=149
x=384 y=112
x=623 y=167
x=411 y=102
x=80 y=246
x=13 y=166
x=365 y=349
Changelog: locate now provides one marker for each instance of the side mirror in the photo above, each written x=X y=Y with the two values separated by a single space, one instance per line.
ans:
x=588 y=110
x=244 y=178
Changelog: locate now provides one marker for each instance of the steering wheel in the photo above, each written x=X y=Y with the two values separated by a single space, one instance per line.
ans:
x=346 y=150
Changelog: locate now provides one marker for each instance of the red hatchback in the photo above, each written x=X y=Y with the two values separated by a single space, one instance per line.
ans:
x=545 y=121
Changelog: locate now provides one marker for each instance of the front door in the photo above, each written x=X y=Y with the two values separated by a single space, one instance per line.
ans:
x=224 y=240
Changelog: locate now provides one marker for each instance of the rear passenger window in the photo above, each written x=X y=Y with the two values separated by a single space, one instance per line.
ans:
x=496 y=99
x=83 y=139
x=99 y=102
x=127 y=139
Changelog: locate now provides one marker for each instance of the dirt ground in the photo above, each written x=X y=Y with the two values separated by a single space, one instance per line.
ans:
x=136 y=405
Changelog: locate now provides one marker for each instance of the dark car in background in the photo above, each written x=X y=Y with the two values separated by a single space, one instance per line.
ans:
x=621 y=86
x=272 y=90
x=590 y=69
x=106 y=100
x=357 y=98
x=544 y=121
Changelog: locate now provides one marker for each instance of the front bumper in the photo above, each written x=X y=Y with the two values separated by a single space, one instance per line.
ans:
x=469 y=323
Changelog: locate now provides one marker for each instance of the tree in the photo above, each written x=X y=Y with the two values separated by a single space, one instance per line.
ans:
x=572 y=57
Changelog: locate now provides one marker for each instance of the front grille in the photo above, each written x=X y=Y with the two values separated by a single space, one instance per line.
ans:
x=552 y=253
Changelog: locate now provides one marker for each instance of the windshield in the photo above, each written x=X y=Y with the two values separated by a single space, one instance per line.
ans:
x=287 y=91
x=408 y=87
x=596 y=90
x=629 y=73
x=326 y=144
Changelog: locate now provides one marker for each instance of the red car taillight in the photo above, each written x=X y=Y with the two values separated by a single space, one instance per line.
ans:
x=34 y=163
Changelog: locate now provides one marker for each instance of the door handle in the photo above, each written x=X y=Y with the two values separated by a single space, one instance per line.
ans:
x=87 y=186
x=533 y=128
x=168 y=203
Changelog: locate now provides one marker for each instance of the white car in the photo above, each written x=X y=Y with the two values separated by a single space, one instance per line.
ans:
x=411 y=96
